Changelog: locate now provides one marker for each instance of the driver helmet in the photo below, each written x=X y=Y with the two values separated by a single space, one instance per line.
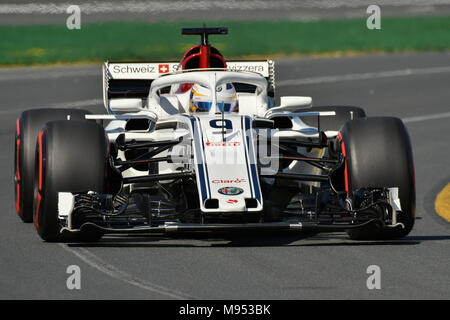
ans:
x=201 y=99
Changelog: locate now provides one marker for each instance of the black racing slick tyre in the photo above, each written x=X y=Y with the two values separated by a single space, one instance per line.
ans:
x=333 y=123
x=71 y=156
x=28 y=126
x=378 y=154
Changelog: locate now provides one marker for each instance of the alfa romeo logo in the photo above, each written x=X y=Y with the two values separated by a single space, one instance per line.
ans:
x=230 y=191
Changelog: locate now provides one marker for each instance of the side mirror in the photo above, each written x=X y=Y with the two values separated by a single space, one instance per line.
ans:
x=125 y=105
x=295 y=101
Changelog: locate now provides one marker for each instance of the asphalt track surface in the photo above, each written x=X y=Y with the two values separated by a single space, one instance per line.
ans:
x=414 y=87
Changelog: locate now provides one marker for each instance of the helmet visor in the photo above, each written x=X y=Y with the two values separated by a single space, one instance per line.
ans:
x=202 y=106
x=224 y=107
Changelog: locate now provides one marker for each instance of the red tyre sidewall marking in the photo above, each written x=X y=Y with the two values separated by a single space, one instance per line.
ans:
x=345 y=163
x=40 y=160
x=17 y=161
x=36 y=222
x=18 y=206
x=39 y=197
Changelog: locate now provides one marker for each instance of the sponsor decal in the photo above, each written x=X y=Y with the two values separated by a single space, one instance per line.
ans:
x=229 y=181
x=232 y=201
x=151 y=70
x=230 y=191
x=223 y=144
x=251 y=68
x=137 y=68
x=163 y=68
x=176 y=67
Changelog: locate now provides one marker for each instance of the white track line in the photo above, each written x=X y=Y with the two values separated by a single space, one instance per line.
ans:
x=77 y=104
x=108 y=269
x=435 y=116
x=363 y=76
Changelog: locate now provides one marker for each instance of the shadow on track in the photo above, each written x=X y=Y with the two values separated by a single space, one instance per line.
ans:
x=248 y=240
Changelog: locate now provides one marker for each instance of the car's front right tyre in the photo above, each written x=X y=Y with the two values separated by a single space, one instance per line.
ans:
x=71 y=156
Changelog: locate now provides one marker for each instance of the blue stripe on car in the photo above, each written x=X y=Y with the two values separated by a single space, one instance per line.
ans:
x=200 y=161
x=246 y=157
x=204 y=159
x=253 y=160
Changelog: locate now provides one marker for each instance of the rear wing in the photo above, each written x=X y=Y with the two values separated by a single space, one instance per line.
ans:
x=133 y=79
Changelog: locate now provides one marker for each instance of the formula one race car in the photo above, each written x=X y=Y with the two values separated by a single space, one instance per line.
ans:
x=201 y=146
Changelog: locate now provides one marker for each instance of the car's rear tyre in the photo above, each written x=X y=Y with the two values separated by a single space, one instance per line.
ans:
x=71 y=156
x=378 y=154
x=28 y=126
x=333 y=123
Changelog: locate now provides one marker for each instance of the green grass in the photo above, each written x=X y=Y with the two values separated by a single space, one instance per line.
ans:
x=44 y=44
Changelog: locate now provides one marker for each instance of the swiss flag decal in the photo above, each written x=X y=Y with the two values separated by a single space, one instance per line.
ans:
x=163 y=68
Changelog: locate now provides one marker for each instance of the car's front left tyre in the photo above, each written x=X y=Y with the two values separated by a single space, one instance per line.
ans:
x=378 y=155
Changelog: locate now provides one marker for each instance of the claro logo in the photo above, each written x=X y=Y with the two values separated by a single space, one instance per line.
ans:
x=229 y=181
